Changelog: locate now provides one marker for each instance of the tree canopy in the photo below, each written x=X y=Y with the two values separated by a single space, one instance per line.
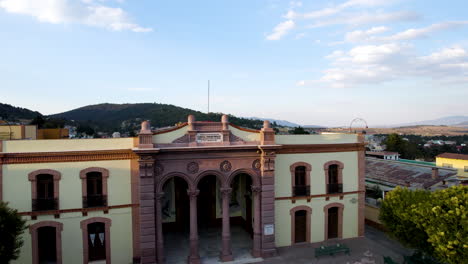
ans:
x=11 y=228
x=434 y=222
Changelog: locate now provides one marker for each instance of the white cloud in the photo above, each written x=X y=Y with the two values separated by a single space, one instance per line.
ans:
x=281 y=30
x=357 y=19
x=409 y=34
x=87 y=12
x=372 y=64
x=364 y=35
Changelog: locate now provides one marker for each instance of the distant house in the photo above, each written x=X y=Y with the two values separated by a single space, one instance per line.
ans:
x=456 y=161
x=386 y=155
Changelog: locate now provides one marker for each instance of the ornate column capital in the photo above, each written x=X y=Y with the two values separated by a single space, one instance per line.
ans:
x=193 y=194
x=226 y=192
x=159 y=196
x=256 y=189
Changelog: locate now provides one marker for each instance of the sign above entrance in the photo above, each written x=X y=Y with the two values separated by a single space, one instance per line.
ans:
x=209 y=137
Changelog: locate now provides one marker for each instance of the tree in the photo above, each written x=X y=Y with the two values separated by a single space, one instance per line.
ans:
x=433 y=222
x=11 y=228
x=298 y=130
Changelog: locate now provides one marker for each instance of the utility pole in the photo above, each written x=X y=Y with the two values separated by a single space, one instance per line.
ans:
x=208 y=96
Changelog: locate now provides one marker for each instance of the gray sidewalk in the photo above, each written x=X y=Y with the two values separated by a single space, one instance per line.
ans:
x=369 y=249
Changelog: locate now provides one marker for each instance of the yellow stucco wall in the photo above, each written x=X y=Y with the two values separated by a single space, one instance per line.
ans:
x=52 y=145
x=316 y=139
x=72 y=244
x=372 y=213
x=317 y=175
x=283 y=188
x=317 y=219
x=247 y=136
x=17 y=191
x=30 y=132
x=166 y=138
x=456 y=163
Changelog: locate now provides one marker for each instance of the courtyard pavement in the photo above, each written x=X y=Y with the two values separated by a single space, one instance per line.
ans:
x=367 y=250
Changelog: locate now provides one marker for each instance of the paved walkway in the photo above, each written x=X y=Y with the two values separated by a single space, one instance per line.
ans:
x=368 y=250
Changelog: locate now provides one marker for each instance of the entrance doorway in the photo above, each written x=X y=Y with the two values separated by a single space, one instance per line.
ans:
x=47 y=245
x=300 y=226
x=332 y=222
x=175 y=212
x=96 y=241
x=207 y=202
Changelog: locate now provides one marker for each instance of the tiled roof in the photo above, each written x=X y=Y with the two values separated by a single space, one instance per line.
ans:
x=453 y=156
x=399 y=173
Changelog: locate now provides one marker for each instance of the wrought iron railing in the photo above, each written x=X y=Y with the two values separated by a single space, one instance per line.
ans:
x=335 y=188
x=97 y=200
x=44 y=204
x=301 y=190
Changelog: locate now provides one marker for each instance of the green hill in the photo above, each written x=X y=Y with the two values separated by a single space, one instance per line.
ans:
x=126 y=117
x=12 y=113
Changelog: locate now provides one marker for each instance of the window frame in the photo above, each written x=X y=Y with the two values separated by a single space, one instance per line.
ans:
x=56 y=176
x=84 y=182
x=292 y=168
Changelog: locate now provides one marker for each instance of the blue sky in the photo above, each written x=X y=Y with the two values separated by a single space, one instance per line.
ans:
x=310 y=62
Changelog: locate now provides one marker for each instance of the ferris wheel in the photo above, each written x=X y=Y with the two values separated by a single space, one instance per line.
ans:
x=358 y=120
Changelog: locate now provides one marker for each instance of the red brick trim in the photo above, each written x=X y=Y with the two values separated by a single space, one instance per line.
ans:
x=292 y=212
x=170 y=129
x=135 y=181
x=165 y=178
x=362 y=187
x=327 y=165
x=32 y=176
x=78 y=210
x=319 y=148
x=34 y=239
x=317 y=196
x=84 y=230
x=292 y=168
x=68 y=156
x=244 y=129
x=105 y=176
x=340 y=218
x=253 y=175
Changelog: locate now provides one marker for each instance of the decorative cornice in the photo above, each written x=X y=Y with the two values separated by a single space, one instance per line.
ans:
x=317 y=196
x=74 y=210
x=244 y=129
x=320 y=148
x=66 y=156
x=170 y=129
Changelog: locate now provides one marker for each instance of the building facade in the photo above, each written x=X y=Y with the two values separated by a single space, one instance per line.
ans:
x=124 y=200
x=456 y=161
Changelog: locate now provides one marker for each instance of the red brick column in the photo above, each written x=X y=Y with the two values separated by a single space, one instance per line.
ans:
x=257 y=230
x=226 y=253
x=147 y=212
x=194 y=257
x=159 y=233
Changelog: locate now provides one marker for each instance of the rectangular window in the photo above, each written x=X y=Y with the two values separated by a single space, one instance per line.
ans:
x=466 y=168
x=447 y=165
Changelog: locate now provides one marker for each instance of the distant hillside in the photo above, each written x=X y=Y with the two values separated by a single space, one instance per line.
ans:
x=444 y=121
x=115 y=117
x=12 y=113
x=278 y=122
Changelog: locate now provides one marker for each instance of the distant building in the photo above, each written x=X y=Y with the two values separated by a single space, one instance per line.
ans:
x=456 y=161
x=386 y=155
x=11 y=132
x=52 y=133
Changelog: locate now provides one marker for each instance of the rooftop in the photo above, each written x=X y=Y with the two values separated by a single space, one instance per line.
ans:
x=453 y=156
x=396 y=173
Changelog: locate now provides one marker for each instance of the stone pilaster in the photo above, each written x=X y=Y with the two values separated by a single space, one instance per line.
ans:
x=257 y=229
x=267 y=202
x=159 y=232
x=147 y=212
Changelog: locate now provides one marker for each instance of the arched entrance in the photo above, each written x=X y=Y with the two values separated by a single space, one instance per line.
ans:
x=175 y=216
